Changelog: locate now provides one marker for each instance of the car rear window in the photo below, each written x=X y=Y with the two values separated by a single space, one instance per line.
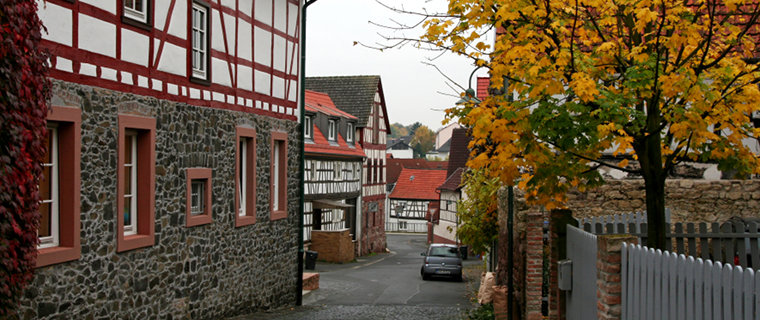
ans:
x=444 y=252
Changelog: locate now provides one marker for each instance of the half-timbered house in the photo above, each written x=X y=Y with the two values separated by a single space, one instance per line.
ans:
x=333 y=165
x=173 y=136
x=362 y=97
x=414 y=199
x=451 y=193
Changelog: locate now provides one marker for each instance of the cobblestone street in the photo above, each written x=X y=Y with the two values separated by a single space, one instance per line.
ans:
x=384 y=286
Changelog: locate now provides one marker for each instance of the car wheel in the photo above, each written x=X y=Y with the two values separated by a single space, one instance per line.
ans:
x=425 y=276
x=458 y=278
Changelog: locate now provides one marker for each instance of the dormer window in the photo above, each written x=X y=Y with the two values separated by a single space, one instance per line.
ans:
x=331 y=130
x=350 y=132
x=136 y=10
x=307 y=127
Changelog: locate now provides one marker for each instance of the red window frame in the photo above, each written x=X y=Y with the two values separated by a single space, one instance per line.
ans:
x=69 y=183
x=146 y=183
x=250 y=180
x=280 y=138
x=206 y=217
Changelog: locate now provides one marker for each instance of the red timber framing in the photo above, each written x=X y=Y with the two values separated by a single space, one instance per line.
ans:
x=168 y=86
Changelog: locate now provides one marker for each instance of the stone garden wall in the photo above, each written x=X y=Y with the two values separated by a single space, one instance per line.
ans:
x=690 y=200
x=204 y=272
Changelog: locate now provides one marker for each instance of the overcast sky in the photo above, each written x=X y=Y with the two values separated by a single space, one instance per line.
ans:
x=410 y=86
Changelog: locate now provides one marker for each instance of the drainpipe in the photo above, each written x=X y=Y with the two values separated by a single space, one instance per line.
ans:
x=302 y=76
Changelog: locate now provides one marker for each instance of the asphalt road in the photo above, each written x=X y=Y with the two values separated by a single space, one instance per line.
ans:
x=383 y=286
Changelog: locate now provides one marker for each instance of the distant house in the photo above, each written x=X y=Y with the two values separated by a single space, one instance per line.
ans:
x=443 y=135
x=400 y=149
x=362 y=97
x=451 y=189
x=442 y=153
x=414 y=200
x=332 y=174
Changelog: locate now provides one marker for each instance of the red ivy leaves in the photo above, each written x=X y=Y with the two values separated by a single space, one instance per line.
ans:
x=24 y=92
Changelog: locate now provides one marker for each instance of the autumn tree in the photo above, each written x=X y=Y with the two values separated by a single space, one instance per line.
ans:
x=423 y=140
x=398 y=130
x=655 y=81
x=24 y=92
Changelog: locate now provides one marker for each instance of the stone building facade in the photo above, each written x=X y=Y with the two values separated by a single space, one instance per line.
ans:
x=207 y=271
x=172 y=188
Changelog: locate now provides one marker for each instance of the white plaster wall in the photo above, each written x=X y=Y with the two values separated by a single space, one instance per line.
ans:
x=107 y=5
x=278 y=87
x=262 y=46
x=218 y=37
x=263 y=11
x=402 y=154
x=292 y=19
x=246 y=7
x=280 y=15
x=173 y=59
x=134 y=47
x=64 y=64
x=245 y=78
x=58 y=21
x=279 y=53
x=244 y=40
x=220 y=73
x=97 y=36
x=161 y=11
x=230 y=3
x=87 y=69
x=262 y=82
x=293 y=93
x=178 y=25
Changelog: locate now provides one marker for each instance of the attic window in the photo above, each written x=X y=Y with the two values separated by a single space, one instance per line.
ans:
x=331 y=130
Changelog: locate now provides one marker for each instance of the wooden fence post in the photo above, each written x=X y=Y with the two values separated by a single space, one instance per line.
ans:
x=608 y=276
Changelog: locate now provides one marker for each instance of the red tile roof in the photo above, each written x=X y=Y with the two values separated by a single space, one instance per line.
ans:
x=418 y=184
x=394 y=166
x=320 y=102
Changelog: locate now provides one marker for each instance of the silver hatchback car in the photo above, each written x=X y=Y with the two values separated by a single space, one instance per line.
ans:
x=442 y=260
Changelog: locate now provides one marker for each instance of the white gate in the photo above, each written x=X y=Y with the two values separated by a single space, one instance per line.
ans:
x=581 y=298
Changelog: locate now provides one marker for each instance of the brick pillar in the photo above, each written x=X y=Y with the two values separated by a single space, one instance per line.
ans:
x=534 y=266
x=558 y=221
x=608 y=277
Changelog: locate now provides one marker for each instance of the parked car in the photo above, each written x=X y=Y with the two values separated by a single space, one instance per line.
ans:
x=442 y=260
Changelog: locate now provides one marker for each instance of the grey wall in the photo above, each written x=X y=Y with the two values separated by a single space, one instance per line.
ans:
x=208 y=271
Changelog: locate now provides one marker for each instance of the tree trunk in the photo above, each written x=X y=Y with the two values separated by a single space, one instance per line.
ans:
x=650 y=158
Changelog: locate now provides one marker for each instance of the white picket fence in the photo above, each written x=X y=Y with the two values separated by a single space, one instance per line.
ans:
x=663 y=285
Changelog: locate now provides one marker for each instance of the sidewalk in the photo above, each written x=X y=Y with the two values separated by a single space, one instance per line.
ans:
x=322 y=266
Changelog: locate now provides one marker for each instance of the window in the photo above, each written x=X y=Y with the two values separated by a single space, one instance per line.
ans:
x=307 y=126
x=350 y=132
x=130 y=179
x=198 y=203
x=136 y=182
x=331 y=130
x=245 y=177
x=59 y=189
x=48 y=231
x=136 y=10
x=278 y=178
x=199 y=35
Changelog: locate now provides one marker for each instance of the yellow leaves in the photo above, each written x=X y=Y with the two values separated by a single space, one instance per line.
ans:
x=584 y=87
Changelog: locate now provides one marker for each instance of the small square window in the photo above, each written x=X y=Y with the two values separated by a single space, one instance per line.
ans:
x=198 y=204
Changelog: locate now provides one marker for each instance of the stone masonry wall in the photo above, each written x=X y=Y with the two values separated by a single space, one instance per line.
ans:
x=689 y=200
x=205 y=272
x=373 y=237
